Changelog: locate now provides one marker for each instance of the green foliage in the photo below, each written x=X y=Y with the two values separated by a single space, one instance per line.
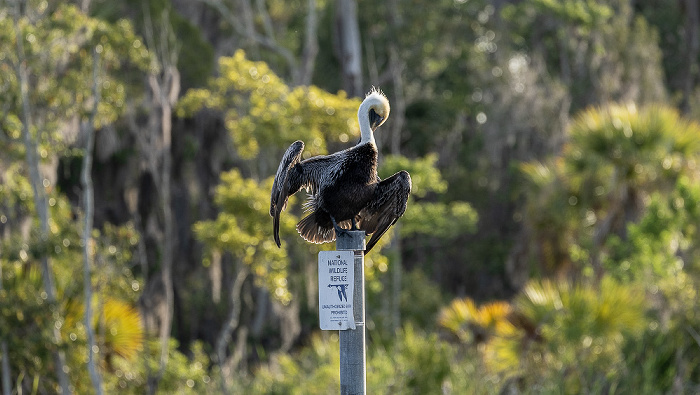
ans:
x=27 y=319
x=420 y=299
x=651 y=252
x=623 y=192
x=184 y=374
x=568 y=334
x=558 y=336
x=665 y=18
x=57 y=52
x=618 y=157
x=441 y=220
x=640 y=146
x=243 y=229
x=584 y=310
x=313 y=371
x=583 y=12
x=660 y=252
x=418 y=364
x=419 y=295
x=594 y=47
x=262 y=112
x=425 y=176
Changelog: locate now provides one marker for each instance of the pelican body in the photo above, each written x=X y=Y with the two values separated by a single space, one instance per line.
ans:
x=345 y=190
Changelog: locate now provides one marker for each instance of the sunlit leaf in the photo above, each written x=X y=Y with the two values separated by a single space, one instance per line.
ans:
x=123 y=332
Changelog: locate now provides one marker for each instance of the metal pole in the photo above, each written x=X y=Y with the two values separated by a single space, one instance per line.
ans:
x=353 y=371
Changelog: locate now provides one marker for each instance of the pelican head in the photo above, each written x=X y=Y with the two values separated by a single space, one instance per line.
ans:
x=373 y=112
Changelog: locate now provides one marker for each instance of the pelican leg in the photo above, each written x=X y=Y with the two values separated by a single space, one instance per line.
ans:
x=338 y=229
x=354 y=224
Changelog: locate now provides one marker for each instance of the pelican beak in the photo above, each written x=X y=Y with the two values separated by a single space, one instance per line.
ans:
x=374 y=119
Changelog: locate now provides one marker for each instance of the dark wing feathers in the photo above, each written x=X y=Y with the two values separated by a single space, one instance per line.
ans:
x=280 y=188
x=290 y=159
x=387 y=206
x=292 y=175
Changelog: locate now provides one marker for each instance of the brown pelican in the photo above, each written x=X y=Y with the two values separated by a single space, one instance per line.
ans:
x=345 y=191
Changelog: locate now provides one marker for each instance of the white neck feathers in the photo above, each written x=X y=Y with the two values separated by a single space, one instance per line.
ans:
x=378 y=102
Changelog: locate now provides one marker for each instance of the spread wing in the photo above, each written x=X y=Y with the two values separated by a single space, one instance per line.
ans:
x=386 y=207
x=292 y=175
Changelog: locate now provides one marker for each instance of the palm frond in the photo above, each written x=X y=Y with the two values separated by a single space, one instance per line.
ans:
x=123 y=333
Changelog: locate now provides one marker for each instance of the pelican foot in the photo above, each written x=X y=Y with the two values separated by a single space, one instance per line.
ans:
x=338 y=229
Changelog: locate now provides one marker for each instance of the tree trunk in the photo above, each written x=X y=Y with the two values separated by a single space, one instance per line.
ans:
x=40 y=203
x=165 y=88
x=692 y=42
x=348 y=48
x=88 y=196
x=230 y=325
x=6 y=388
x=399 y=103
x=165 y=92
x=396 y=66
x=308 y=57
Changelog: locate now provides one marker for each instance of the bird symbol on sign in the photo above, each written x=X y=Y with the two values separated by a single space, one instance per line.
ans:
x=341 y=291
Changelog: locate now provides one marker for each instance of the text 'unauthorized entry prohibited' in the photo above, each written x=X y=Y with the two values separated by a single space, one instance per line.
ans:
x=335 y=289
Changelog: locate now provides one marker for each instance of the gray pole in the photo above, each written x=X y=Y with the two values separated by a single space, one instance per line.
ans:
x=353 y=371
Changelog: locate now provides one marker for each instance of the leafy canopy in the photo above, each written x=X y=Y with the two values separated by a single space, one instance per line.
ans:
x=262 y=112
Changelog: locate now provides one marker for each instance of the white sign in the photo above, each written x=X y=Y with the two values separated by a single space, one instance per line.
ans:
x=335 y=289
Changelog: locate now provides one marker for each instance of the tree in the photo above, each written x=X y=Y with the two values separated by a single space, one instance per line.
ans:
x=269 y=35
x=51 y=42
x=40 y=201
x=86 y=181
x=156 y=145
x=618 y=156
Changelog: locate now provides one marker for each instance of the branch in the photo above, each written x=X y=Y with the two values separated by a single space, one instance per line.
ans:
x=231 y=324
x=250 y=34
x=265 y=16
x=88 y=195
x=694 y=334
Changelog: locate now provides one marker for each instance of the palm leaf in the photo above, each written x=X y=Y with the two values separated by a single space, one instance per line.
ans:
x=471 y=323
x=457 y=316
x=123 y=332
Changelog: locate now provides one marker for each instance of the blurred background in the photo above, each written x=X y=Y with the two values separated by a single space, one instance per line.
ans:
x=550 y=243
